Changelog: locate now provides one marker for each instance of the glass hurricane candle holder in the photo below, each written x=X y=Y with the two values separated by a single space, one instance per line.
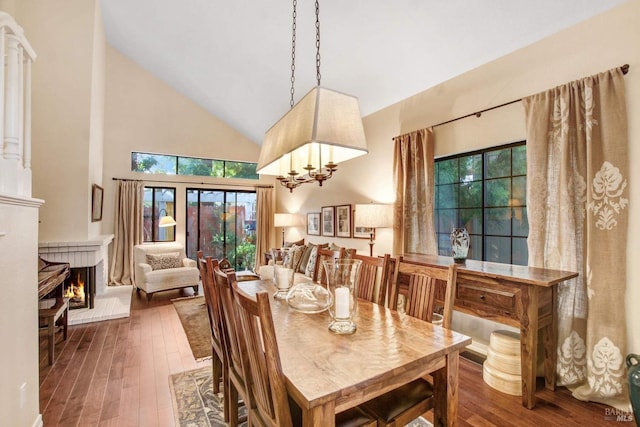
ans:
x=278 y=255
x=342 y=280
x=283 y=279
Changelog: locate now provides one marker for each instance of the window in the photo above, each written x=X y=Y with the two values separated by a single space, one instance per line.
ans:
x=222 y=224
x=191 y=166
x=485 y=192
x=158 y=202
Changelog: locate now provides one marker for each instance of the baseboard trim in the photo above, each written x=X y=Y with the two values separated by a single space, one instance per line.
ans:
x=477 y=347
x=475 y=352
x=38 y=422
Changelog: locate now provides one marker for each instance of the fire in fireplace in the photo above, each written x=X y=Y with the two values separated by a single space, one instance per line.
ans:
x=80 y=287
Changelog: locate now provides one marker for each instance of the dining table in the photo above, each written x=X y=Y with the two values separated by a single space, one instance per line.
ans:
x=327 y=373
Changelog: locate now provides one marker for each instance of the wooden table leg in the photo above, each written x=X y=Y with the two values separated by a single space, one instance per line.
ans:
x=320 y=416
x=529 y=346
x=550 y=342
x=445 y=388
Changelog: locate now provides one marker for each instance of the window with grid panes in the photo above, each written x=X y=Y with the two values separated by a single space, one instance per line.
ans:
x=484 y=192
x=158 y=202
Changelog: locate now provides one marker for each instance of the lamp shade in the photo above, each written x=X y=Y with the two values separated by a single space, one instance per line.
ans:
x=286 y=220
x=324 y=126
x=167 y=221
x=373 y=215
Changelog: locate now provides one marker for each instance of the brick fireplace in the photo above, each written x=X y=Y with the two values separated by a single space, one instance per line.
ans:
x=88 y=260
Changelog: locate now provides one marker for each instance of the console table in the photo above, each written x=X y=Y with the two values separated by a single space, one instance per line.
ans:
x=519 y=296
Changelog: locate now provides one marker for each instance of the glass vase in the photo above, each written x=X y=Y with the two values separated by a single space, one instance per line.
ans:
x=459 y=244
x=342 y=282
x=633 y=368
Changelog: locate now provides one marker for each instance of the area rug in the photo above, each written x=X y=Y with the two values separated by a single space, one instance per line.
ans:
x=194 y=402
x=192 y=312
x=196 y=405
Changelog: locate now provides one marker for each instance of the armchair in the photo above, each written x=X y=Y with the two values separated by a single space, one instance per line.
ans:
x=163 y=266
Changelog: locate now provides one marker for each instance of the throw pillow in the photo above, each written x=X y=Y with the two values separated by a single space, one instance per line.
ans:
x=292 y=259
x=302 y=266
x=334 y=247
x=297 y=256
x=287 y=260
x=311 y=263
x=298 y=243
x=164 y=261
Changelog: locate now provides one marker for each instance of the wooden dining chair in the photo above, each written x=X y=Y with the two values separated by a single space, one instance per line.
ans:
x=420 y=296
x=225 y=264
x=325 y=254
x=219 y=361
x=272 y=405
x=404 y=404
x=375 y=274
x=235 y=351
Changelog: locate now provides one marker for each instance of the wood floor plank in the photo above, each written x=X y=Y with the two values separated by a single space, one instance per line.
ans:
x=116 y=373
x=75 y=403
x=95 y=396
x=70 y=373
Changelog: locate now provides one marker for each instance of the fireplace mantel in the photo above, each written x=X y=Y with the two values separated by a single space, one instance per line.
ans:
x=82 y=253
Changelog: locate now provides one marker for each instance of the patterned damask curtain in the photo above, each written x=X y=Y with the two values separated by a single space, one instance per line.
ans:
x=413 y=228
x=577 y=197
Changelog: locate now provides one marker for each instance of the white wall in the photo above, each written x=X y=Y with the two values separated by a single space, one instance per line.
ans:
x=96 y=123
x=19 y=388
x=603 y=42
x=143 y=114
x=66 y=130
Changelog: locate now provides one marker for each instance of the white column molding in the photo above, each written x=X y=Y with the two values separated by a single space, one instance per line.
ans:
x=16 y=55
x=11 y=101
x=27 y=116
x=20 y=118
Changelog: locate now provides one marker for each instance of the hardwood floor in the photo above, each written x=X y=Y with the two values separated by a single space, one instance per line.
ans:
x=115 y=373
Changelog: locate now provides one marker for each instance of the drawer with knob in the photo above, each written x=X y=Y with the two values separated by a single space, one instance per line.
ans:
x=491 y=298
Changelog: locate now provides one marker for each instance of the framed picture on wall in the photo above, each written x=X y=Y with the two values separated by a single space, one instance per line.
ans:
x=328 y=221
x=343 y=221
x=313 y=223
x=363 y=232
x=96 y=203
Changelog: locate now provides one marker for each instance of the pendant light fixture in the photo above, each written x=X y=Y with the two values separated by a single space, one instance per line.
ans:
x=323 y=129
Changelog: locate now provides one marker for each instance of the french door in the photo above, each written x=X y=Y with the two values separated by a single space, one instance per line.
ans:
x=222 y=224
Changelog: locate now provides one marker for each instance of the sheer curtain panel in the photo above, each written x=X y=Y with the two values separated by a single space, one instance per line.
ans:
x=264 y=218
x=128 y=231
x=413 y=228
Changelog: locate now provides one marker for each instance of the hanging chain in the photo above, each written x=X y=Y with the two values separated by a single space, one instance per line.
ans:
x=318 y=42
x=293 y=53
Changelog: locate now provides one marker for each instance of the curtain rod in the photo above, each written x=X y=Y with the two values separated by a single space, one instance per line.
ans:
x=624 y=68
x=194 y=183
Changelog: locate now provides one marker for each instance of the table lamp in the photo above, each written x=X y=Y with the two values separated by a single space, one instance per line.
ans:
x=372 y=216
x=285 y=220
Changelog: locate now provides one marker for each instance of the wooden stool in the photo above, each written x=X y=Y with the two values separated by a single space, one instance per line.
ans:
x=50 y=311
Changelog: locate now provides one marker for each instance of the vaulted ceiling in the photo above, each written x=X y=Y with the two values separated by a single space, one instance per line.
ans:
x=233 y=58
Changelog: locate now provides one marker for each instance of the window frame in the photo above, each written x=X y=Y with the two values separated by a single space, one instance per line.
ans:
x=483 y=235
x=176 y=166
x=156 y=214
x=226 y=192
